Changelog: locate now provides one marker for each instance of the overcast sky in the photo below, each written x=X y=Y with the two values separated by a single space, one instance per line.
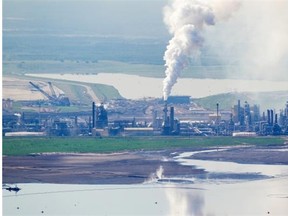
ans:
x=112 y=17
x=255 y=35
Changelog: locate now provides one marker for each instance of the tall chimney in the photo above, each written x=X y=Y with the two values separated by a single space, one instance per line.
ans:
x=238 y=111
x=171 y=118
x=93 y=115
x=268 y=117
x=217 y=111
x=154 y=119
x=165 y=110
x=276 y=119
x=272 y=117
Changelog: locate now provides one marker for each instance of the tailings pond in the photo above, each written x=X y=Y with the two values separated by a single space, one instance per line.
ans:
x=227 y=189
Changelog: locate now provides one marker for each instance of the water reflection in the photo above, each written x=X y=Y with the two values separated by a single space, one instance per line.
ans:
x=240 y=194
x=185 y=202
x=245 y=198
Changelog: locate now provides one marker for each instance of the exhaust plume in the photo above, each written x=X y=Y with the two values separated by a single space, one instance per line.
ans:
x=186 y=20
x=154 y=177
x=159 y=172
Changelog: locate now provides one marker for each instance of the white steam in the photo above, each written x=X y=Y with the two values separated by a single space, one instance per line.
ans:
x=186 y=21
x=265 y=40
x=185 y=202
x=253 y=43
x=154 y=177
x=159 y=172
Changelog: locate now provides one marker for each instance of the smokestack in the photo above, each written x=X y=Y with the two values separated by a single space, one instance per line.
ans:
x=93 y=115
x=239 y=110
x=276 y=119
x=217 y=111
x=165 y=110
x=154 y=119
x=272 y=117
x=171 y=118
x=76 y=121
x=268 y=117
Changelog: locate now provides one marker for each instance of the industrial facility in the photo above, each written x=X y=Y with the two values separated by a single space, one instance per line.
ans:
x=54 y=99
x=178 y=116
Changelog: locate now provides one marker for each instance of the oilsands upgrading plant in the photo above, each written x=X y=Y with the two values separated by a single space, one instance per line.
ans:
x=178 y=116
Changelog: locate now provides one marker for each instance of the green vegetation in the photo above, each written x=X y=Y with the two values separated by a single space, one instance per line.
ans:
x=105 y=92
x=81 y=67
x=29 y=145
x=104 y=66
x=77 y=92
x=228 y=100
x=74 y=92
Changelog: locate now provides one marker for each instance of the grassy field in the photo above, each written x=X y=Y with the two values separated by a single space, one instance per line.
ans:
x=29 y=145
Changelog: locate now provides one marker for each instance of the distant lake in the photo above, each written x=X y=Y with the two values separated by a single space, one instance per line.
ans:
x=136 y=87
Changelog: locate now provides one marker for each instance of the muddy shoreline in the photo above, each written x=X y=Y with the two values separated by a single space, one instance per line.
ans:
x=125 y=167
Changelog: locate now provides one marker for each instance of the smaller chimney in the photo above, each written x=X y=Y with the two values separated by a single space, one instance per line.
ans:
x=171 y=118
x=93 y=115
x=217 y=112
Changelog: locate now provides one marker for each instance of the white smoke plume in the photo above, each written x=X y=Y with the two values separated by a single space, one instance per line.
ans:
x=186 y=21
x=159 y=172
x=154 y=177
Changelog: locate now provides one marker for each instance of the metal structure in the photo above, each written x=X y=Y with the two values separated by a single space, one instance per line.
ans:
x=128 y=119
x=99 y=116
x=52 y=90
x=170 y=126
x=59 y=100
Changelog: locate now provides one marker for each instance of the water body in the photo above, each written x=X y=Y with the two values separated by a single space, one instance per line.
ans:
x=212 y=196
x=137 y=87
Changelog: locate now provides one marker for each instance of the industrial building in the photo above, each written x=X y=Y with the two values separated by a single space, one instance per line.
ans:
x=149 y=117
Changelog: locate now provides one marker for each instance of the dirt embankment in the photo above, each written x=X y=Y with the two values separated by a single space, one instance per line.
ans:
x=124 y=168
x=249 y=155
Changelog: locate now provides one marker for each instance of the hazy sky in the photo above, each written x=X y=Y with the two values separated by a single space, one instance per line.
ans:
x=112 y=17
x=254 y=36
